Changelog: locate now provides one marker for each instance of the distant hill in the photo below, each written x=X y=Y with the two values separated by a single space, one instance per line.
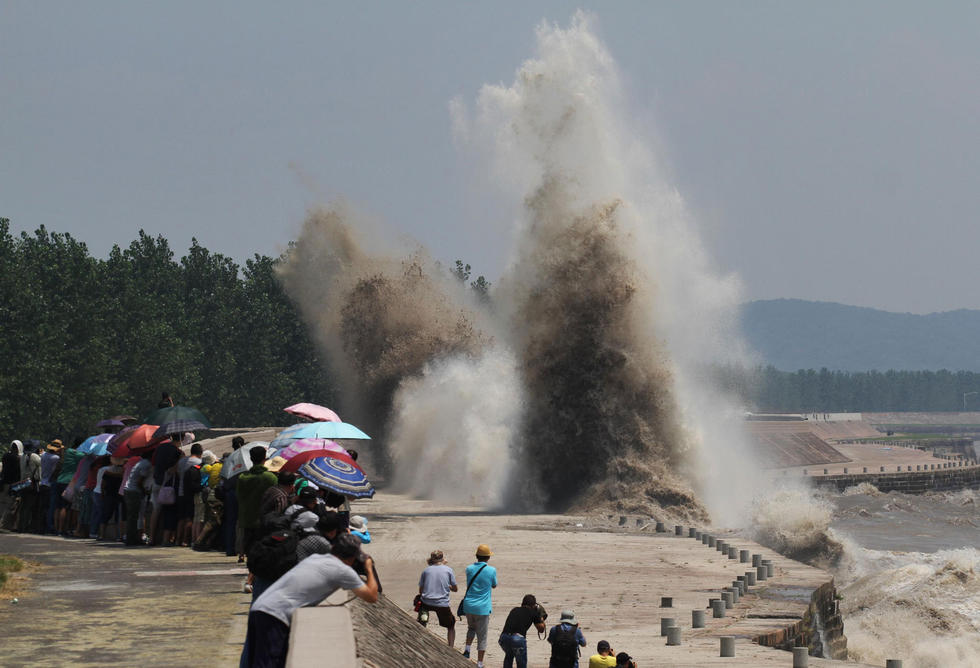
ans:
x=793 y=334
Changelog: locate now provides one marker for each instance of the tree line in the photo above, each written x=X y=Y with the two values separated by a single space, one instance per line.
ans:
x=766 y=389
x=86 y=338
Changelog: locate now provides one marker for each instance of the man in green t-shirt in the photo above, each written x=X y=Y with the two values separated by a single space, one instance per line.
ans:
x=251 y=486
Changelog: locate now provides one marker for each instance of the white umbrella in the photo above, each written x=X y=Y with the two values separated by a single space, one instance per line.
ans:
x=239 y=460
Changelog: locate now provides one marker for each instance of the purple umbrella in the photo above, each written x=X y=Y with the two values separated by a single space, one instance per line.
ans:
x=109 y=423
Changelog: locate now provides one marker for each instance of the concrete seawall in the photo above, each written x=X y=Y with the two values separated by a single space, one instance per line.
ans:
x=909 y=482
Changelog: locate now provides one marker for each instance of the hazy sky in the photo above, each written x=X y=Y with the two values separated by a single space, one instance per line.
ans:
x=828 y=151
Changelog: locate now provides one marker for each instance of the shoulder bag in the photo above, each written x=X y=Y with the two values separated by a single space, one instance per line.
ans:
x=459 y=608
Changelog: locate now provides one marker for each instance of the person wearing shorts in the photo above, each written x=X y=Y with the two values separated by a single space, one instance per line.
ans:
x=435 y=583
x=481 y=579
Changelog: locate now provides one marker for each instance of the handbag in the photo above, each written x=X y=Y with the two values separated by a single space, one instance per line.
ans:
x=459 y=608
x=17 y=488
x=167 y=496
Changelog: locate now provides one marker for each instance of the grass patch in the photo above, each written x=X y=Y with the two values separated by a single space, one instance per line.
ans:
x=8 y=564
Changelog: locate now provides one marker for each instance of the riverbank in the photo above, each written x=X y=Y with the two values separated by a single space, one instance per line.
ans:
x=612 y=576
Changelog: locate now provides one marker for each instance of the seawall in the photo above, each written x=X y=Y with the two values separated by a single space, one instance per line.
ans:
x=908 y=482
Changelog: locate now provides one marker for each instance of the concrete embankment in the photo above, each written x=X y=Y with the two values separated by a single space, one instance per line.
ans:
x=614 y=578
x=908 y=482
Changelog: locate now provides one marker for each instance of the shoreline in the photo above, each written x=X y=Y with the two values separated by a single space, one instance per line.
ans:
x=613 y=578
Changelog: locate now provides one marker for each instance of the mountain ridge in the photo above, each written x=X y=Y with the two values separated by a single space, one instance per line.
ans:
x=793 y=334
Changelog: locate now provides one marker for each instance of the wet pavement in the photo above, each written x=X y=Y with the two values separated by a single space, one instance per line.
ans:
x=99 y=604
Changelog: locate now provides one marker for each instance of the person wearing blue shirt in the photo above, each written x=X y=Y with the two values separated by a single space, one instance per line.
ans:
x=481 y=579
x=565 y=638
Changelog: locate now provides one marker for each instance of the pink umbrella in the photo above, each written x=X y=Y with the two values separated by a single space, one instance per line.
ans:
x=314 y=412
x=307 y=444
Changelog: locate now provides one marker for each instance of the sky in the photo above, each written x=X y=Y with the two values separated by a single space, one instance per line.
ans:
x=827 y=151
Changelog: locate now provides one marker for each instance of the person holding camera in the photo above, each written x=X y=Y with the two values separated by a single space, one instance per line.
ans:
x=565 y=638
x=513 y=638
x=604 y=657
x=624 y=660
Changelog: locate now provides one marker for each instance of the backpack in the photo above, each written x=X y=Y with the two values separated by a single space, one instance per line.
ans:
x=564 y=646
x=275 y=552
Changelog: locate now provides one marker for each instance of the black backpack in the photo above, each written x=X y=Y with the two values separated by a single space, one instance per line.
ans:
x=275 y=552
x=564 y=647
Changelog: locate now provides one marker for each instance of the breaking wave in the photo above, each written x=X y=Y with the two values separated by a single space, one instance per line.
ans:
x=921 y=607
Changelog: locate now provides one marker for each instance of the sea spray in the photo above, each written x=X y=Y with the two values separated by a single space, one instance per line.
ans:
x=795 y=522
x=380 y=316
x=921 y=607
x=452 y=429
x=615 y=309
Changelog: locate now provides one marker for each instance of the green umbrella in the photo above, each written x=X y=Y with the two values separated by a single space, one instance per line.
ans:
x=174 y=413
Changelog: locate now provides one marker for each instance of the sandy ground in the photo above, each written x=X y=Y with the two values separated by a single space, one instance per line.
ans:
x=613 y=581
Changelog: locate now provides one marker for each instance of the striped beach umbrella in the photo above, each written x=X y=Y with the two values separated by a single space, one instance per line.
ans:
x=338 y=476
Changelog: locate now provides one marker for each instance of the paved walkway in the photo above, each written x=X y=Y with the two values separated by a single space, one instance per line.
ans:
x=100 y=604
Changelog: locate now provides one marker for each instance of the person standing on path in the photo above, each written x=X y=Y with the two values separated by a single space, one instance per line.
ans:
x=565 y=638
x=513 y=637
x=133 y=494
x=435 y=583
x=481 y=579
x=30 y=497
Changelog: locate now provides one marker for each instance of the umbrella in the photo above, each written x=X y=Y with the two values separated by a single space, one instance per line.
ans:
x=174 y=413
x=113 y=422
x=336 y=475
x=126 y=419
x=95 y=445
x=332 y=430
x=141 y=438
x=307 y=444
x=239 y=460
x=293 y=465
x=178 y=427
x=314 y=412
x=121 y=437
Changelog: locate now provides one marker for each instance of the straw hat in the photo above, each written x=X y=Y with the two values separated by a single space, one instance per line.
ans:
x=436 y=557
x=484 y=551
x=275 y=464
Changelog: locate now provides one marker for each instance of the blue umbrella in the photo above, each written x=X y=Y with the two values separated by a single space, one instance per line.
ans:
x=328 y=430
x=338 y=476
x=95 y=445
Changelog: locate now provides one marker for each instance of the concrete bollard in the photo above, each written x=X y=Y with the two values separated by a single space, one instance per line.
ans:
x=770 y=569
x=727 y=646
x=749 y=578
x=845 y=470
x=622 y=520
x=760 y=573
x=665 y=623
x=660 y=527
x=740 y=585
x=704 y=538
x=756 y=560
x=865 y=469
x=678 y=530
x=743 y=556
x=697 y=619
x=736 y=593
x=732 y=552
x=717 y=608
x=801 y=657
x=729 y=600
x=721 y=546
x=712 y=541
x=666 y=602
x=673 y=636
x=825 y=471
x=881 y=469
x=693 y=533
x=893 y=663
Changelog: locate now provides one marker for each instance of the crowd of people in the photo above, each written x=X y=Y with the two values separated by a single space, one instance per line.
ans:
x=565 y=638
x=300 y=543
